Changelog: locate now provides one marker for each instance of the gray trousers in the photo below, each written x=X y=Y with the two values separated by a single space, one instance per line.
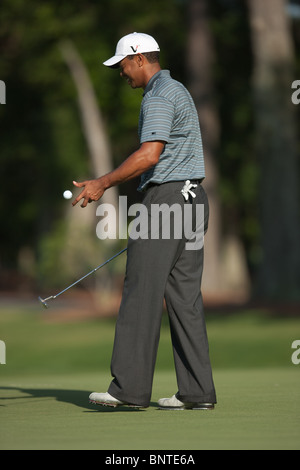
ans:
x=159 y=269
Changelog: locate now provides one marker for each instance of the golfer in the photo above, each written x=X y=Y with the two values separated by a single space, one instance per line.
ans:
x=170 y=165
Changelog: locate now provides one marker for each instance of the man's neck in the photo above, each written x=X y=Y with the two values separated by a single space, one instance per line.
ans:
x=150 y=73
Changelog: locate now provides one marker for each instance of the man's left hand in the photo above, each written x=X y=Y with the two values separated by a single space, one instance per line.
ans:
x=92 y=191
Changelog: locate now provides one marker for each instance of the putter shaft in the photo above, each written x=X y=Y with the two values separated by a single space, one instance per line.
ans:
x=43 y=301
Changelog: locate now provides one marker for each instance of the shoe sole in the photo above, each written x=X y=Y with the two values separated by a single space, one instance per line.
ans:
x=114 y=405
x=182 y=408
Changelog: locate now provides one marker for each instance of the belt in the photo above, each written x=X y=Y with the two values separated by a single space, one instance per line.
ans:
x=151 y=185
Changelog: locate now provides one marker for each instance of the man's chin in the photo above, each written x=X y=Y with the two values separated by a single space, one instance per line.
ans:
x=132 y=84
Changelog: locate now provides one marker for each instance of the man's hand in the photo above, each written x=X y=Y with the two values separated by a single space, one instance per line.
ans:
x=92 y=191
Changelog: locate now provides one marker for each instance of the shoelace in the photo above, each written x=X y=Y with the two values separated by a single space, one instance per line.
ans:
x=186 y=190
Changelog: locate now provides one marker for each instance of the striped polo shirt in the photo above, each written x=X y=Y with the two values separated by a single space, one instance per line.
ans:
x=168 y=114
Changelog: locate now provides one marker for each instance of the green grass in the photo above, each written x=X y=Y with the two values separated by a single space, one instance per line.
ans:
x=51 y=367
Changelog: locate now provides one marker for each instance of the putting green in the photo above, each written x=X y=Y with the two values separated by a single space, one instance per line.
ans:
x=257 y=409
x=52 y=365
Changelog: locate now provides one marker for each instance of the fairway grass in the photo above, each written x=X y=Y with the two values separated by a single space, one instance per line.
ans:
x=52 y=367
x=257 y=409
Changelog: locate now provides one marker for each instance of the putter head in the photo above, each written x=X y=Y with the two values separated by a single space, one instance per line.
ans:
x=43 y=302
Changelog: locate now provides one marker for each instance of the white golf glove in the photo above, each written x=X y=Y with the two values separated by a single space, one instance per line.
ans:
x=186 y=190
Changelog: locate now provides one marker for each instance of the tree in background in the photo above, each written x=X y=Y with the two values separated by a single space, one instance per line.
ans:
x=225 y=262
x=200 y=62
x=277 y=149
x=44 y=146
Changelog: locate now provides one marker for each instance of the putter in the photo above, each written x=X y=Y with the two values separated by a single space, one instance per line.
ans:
x=52 y=297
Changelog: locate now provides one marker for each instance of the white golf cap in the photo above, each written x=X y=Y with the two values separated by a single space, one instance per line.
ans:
x=134 y=43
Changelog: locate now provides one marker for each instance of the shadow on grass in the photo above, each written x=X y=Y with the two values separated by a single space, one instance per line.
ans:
x=79 y=398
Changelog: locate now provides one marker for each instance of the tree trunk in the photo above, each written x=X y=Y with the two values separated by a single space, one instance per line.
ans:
x=199 y=66
x=82 y=246
x=276 y=141
x=200 y=57
x=94 y=130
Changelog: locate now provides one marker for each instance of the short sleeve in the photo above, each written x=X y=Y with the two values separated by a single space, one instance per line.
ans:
x=156 y=119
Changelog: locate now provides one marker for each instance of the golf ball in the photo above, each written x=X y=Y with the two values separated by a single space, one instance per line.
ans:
x=67 y=194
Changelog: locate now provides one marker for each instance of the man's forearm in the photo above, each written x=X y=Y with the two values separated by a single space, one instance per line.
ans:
x=137 y=163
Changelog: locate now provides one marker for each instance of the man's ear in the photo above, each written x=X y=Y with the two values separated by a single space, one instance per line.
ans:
x=140 y=59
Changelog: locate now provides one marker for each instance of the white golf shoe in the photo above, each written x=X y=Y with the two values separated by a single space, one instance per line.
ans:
x=105 y=399
x=174 y=404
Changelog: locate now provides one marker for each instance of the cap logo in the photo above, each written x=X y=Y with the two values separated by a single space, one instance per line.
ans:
x=134 y=49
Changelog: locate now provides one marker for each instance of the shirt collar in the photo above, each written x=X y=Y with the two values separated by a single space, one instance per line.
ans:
x=153 y=79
